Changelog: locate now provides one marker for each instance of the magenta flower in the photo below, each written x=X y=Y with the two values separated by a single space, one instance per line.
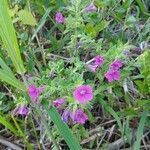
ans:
x=59 y=18
x=90 y=8
x=34 y=92
x=117 y=64
x=80 y=117
x=58 y=102
x=112 y=75
x=83 y=93
x=96 y=62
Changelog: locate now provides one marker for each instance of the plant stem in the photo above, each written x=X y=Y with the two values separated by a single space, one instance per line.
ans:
x=42 y=52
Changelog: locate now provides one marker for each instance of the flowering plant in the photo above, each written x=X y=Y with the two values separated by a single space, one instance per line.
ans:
x=74 y=72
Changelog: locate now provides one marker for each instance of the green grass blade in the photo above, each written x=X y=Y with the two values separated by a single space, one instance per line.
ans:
x=41 y=23
x=7 y=75
x=5 y=67
x=62 y=127
x=8 y=36
x=4 y=76
x=140 y=129
x=9 y=126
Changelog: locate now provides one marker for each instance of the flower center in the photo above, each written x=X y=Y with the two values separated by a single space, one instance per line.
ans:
x=82 y=92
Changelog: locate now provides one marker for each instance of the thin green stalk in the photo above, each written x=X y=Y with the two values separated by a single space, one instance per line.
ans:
x=29 y=146
x=34 y=130
x=41 y=49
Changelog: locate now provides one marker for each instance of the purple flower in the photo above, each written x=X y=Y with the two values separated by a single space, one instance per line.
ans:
x=21 y=110
x=80 y=117
x=34 y=92
x=90 y=8
x=98 y=60
x=112 y=75
x=59 y=18
x=58 y=102
x=83 y=93
x=117 y=64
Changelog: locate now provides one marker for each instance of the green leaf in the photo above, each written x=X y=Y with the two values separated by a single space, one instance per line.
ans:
x=102 y=25
x=13 y=11
x=41 y=23
x=89 y=29
x=62 y=127
x=26 y=17
x=127 y=4
x=140 y=129
x=8 y=36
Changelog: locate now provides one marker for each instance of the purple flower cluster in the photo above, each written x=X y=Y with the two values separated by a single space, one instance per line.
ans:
x=114 y=71
x=76 y=117
x=82 y=94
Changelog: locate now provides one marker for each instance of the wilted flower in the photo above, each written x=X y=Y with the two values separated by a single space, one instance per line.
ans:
x=92 y=68
x=59 y=18
x=90 y=8
x=51 y=74
x=117 y=64
x=83 y=93
x=34 y=92
x=66 y=115
x=112 y=75
x=126 y=52
x=58 y=102
x=80 y=117
x=138 y=50
x=27 y=76
x=21 y=110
